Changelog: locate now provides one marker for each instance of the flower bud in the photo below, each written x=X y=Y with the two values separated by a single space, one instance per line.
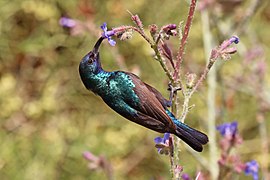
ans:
x=153 y=29
x=190 y=80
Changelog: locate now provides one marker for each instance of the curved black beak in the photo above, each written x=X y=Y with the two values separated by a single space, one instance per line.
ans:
x=98 y=43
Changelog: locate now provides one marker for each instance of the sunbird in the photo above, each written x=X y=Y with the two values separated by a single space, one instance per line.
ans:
x=135 y=100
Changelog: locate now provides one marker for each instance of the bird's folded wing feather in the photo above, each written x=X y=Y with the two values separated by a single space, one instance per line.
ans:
x=150 y=105
x=159 y=96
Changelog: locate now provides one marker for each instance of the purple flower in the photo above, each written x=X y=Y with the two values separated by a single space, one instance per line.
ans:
x=67 y=22
x=162 y=144
x=108 y=34
x=234 y=39
x=169 y=30
x=230 y=136
x=228 y=129
x=169 y=27
x=224 y=50
x=185 y=176
x=252 y=168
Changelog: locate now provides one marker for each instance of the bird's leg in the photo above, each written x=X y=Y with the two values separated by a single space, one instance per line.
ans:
x=173 y=91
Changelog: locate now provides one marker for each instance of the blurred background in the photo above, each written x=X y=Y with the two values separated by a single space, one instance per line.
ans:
x=48 y=119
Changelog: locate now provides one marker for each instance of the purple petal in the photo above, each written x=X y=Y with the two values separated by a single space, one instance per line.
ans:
x=221 y=128
x=158 y=140
x=252 y=168
x=104 y=26
x=112 y=42
x=233 y=127
x=228 y=128
x=185 y=176
x=234 y=39
x=171 y=26
x=108 y=34
x=166 y=137
x=67 y=22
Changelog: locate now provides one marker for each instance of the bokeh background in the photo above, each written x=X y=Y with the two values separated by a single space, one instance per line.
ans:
x=48 y=119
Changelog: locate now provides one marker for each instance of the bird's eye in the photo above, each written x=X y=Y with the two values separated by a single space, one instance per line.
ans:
x=90 y=61
x=91 y=58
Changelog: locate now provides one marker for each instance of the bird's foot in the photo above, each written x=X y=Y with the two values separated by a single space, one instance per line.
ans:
x=173 y=91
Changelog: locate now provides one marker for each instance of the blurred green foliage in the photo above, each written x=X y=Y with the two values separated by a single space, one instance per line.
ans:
x=48 y=119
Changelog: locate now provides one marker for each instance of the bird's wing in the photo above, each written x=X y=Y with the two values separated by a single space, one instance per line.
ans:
x=149 y=104
x=165 y=103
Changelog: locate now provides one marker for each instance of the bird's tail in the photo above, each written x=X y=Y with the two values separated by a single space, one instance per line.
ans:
x=192 y=137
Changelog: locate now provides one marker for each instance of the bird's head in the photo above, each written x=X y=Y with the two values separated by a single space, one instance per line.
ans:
x=90 y=63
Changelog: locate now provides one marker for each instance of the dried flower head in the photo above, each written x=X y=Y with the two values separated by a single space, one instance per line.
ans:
x=137 y=21
x=190 y=80
x=153 y=29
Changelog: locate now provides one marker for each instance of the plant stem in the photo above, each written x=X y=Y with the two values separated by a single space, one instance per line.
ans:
x=177 y=76
x=261 y=117
x=154 y=45
x=176 y=159
x=183 y=43
x=264 y=142
x=211 y=80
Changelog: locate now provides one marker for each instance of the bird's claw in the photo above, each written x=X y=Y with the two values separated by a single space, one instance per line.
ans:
x=173 y=91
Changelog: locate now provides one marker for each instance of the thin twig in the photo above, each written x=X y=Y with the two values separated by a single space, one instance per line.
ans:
x=142 y=34
x=155 y=48
x=171 y=145
x=181 y=50
x=176 y=76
